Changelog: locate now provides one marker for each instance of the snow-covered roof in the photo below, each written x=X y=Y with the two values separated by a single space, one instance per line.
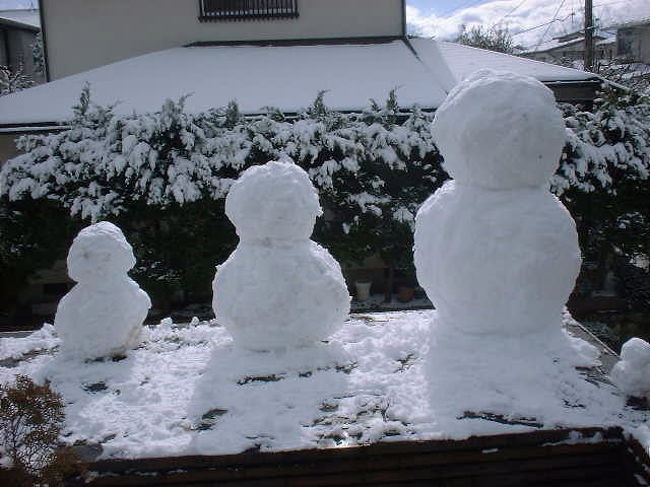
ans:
x=286 y=77
x=602 y=38
x=463 y=60
x=29 y=18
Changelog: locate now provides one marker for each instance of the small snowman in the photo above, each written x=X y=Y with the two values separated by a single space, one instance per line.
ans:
x=496 y=252
x=632 y=374
x=102 y=315
x=278 y=288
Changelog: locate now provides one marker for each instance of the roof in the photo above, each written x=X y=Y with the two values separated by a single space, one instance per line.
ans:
x=463 y=60
x=562 y=42
x=25 y=19
x=288 y=77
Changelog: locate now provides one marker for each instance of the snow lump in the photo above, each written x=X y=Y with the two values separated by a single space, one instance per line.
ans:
x=278 y=288
x=103 y=313
x=632 y=373
x=495 y=251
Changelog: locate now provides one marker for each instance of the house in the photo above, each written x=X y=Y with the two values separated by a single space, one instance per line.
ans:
x=18 y=35
x=259 y=53
x=633 y=41
x=120 y=29
x=570 y=48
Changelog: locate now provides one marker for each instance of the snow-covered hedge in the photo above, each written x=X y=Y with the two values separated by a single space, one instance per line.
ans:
x=171 y=170
x=104 y=162
x=604 y=146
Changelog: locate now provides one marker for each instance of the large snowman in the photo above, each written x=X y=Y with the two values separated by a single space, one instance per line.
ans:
x=278 y=289
x=103 y=313
x=496 y=252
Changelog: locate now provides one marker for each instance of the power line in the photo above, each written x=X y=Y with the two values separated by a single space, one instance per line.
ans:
x=549 y=25
x=542 y=25
x=509 y=13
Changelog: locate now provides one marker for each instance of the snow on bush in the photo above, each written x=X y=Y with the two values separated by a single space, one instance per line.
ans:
x=278 y=288
x=13 y=80
x=604 y=146
x=104 y=161
x=103 y=314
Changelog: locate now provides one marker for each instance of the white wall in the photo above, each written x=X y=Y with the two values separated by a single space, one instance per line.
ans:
x=83 y=34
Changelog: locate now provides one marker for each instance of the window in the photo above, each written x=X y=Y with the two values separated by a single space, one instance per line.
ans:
x=247 y=9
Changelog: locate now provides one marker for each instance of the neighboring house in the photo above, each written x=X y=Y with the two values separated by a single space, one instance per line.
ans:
x=18 y=34
x=633 y=41
x=570 y=48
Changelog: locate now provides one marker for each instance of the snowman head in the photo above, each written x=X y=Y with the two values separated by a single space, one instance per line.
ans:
x=100 y=251
x=276 y=201
x=636 y=352
x=500 y=130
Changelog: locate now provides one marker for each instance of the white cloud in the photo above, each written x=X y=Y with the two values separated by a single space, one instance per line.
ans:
x=519 y=16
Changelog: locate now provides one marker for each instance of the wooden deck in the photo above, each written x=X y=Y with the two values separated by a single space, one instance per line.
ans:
x=581 y=457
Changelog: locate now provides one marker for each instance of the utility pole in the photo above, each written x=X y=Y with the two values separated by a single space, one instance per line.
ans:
x=589 y=35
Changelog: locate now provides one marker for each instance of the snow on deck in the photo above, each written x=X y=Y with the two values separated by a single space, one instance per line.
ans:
x=286 y=77
x=187 y=390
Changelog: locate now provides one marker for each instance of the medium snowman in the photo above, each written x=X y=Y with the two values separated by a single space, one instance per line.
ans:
x=278 y=289
x=102 y=315
x=496 y=252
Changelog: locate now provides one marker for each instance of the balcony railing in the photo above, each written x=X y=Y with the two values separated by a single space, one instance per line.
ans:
x=213 y=10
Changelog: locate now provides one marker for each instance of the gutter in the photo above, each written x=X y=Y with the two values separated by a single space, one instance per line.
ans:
x=18 y=25
x=12 y=128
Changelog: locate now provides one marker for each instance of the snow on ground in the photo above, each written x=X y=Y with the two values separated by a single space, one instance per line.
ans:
x=188 y=390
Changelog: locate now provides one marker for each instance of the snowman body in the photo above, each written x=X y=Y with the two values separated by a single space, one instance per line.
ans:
x=103 y=314
x=495 y=251
x=278 y=289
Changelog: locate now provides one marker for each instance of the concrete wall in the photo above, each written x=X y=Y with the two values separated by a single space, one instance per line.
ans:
x=83 y=34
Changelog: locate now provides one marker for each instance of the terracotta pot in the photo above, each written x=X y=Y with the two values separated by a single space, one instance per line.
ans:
x=405 y=293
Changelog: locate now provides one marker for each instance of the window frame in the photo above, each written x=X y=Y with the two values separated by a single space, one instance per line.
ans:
x=232 y=10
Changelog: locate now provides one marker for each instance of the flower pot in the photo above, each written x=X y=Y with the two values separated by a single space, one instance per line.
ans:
x=363 y=289
x=405 y=293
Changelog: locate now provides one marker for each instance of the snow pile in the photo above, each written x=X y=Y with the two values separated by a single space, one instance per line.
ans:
x=103 y=313
x=188 y=390
x=278 y=288
x=632 y=373
x=496 y=252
